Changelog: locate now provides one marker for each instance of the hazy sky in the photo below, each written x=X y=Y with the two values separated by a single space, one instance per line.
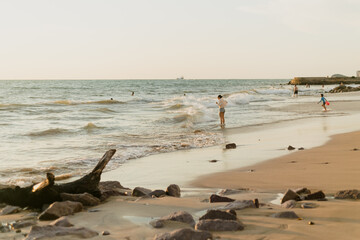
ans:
x=133 y=39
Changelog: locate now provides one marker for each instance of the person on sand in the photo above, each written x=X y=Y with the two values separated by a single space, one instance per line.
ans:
x=323 y=100
x=222 y=103
x=133 y=93
x=296 y=91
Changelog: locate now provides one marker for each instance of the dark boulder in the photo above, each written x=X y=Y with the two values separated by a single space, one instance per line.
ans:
x=290 y=148
x=219 y=225
x=348 y=194
x=184 y=234
x=180 y=216
x=315 y=196
x=49 y=231
x=140 y=191
x=218 y=214
x=157 y=193
x=173 y=190
x=59 y=209
x=230 y=146
x=290 y=195
x=216 y=198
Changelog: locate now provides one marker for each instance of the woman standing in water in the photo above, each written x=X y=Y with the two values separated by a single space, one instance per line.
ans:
x=222 y=103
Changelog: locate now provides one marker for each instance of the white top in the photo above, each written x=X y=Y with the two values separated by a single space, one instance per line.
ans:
x=222 y=103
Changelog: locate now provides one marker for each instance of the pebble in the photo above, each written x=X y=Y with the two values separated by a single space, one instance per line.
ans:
x=311 y=223
x=105 y=233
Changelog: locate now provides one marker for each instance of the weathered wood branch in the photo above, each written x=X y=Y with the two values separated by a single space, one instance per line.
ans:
x=47 y=191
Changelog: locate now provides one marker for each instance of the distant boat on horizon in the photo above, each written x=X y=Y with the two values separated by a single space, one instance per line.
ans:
x=180 y=78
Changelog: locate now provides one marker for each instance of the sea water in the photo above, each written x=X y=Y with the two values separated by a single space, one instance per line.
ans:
x=65 y=126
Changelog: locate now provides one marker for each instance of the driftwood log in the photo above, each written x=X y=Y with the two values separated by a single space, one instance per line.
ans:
x=47 y=192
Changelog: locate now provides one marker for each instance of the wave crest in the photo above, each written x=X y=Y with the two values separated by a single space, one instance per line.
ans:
x=48 y=132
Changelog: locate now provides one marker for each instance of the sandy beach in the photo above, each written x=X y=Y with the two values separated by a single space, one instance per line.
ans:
x=261 y=165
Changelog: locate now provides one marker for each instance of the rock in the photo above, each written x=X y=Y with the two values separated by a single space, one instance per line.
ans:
x=218 y=214
x=256 y=203
x=140 y=191
x=311 y=223
x=10 y=210
x=216 y=198
x=4 y=229
x=213 y=161
x=112 y=188
x=184 y=234
x=219 y=225
x=355 y=149
x=48 y=231
x=316 y=195
x=288 y=214
x=173 y=190
x=22 y=224
x=157 y=223
x=348 y=194
x=290 y=195
x=18 y=231
x=180 y=216
x=343 y=88
x=85 y=198
x=105 y=233
x=290 y=148
x=230 y=146
x=158 y=193
x=289 y=204
x=308 y=205
x=302 y=190
x=62 y=222
x=232 y=191
x=106 y=185
x=301 y=148
x=238 y=205
x=59 y=209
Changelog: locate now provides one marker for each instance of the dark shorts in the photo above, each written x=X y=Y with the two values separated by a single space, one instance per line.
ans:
x=296 y=92
x=222 y=110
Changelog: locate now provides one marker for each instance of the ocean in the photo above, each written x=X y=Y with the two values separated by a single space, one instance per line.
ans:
x=65 y=126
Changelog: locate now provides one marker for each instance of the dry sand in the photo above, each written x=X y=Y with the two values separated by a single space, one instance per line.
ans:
x=332 y=167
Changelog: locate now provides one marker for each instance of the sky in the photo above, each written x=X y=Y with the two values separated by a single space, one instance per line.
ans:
x=166 y=39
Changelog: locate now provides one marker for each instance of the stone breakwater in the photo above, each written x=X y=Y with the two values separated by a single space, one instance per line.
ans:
x=324 y=80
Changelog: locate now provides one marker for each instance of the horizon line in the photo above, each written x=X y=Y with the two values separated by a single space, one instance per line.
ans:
x=124 y=79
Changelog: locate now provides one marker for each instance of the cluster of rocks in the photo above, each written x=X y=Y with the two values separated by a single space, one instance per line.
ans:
x=73 y=203
x=292 y=196
x=223 y=218
x=290 y=148
x=343 y=88
x=172 y=190
x=213 y=220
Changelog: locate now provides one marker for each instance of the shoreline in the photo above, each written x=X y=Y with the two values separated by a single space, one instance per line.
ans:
x=260 y=143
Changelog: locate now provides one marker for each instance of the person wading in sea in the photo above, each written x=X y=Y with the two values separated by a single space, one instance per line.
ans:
x=296 y=91
x=222 y=103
